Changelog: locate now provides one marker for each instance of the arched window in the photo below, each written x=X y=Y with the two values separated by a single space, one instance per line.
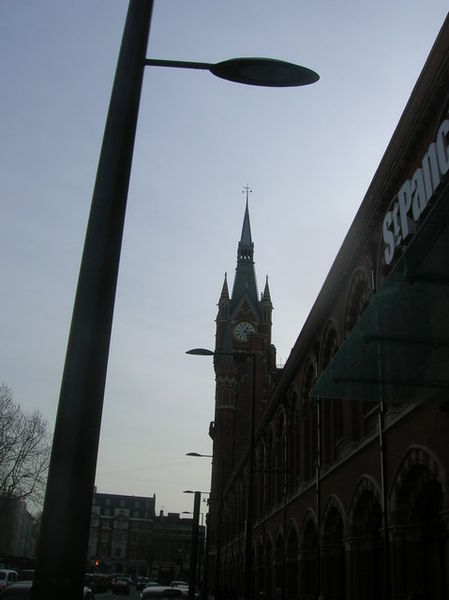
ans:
x=280 y=467
x=331 y=409
x=332 y=551
x=358 y=298
x=308 y=564
x=279 y=556
x=308 y=425
x=367 y=547
x=291 y=570
x=417 y=505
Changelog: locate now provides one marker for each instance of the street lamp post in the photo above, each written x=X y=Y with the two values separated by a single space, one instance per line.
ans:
x=63 y=541
x=205 y=579
x=201 y=538
x=248 y=533
x=62 y=547
x=194 y=549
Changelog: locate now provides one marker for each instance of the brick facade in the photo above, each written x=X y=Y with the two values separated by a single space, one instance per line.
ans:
x=350 y=496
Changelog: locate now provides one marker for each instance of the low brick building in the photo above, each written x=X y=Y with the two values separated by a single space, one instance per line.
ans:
x=126 y=536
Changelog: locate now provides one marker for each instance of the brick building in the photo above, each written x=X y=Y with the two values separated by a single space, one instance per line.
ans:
x=127 y=537
x=17 y=539
x=332 y=477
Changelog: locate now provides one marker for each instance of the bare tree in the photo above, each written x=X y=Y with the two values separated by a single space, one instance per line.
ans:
x=24 y=452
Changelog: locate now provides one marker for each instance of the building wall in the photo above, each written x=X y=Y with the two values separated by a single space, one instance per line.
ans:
x=17 y=542
x=127 y=537
x=351 y=498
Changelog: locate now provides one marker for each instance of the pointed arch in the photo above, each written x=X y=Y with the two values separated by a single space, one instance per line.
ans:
x=366 y=485
x=331 y=409
x=307 y=424
x=278 y=565
x=431 y=469
x=280 y=455
x=357 y=299
x=333 y=520
x=268 y=467
x=308 y=584
x=292 y=466
x=418 y=497
x=291 y=558
x=333 y=530
x=260 y=478
x=268 y=564
x=259 y=568
x=365 y=541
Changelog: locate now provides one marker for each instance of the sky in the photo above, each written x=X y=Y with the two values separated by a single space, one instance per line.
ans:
x=308 y=155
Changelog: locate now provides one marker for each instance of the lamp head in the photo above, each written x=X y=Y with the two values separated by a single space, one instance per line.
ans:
x=269 y=72
x=200 y=352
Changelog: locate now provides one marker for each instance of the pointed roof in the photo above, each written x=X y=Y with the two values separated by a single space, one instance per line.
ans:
x=266 y=292
x=246 y=229
x=245 y=276
x=224 y=290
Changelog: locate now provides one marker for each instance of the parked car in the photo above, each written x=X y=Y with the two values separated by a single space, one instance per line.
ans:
x=120 y=585
x=7 y=577
x=161 y=592
x=181 y=585
x=22 y=591
x=143 y=582
x=177 y=584
x=26 y=575
x=97 y=582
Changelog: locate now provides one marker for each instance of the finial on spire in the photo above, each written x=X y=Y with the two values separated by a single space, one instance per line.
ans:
x=248 y=191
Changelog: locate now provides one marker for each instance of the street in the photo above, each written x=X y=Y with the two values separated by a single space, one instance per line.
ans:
x=133 y=595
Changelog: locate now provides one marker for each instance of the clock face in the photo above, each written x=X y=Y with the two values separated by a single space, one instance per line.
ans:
x=243 y=330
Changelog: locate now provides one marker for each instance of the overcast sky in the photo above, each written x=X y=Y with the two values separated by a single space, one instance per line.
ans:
x=307 y=153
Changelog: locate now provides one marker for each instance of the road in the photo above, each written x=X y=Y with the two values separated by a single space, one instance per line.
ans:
x=133 y=595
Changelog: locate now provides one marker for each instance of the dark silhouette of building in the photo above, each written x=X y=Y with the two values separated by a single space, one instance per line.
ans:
x=127 y=537
x=120 y=537
x=350 y=498
x=18 y=535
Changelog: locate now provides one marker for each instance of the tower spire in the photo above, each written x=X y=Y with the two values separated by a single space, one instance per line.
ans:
x=246 y=229
x=245 y=277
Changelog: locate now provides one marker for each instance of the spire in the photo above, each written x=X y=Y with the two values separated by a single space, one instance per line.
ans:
x=245 y=277
x=224 y=296
x=266 y=292
x=246 y=229
x=223 y=303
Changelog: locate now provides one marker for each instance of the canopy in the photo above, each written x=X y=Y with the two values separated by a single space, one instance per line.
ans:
x=399 y=349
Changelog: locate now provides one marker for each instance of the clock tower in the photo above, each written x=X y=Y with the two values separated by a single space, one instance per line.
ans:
x=243 y=335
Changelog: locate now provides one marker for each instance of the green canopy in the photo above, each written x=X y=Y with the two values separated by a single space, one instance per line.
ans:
x=399 y=349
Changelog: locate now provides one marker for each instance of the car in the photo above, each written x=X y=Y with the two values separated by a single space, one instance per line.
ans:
x=7 y=577
x=98 y=582
x=161 y=592
x=22 y=591
x=26 y=575
x=181 y=585
x=177 y=584
x=143 y=582
x=120 y=585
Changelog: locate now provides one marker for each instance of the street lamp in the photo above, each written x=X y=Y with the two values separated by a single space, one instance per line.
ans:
x=197 y=454
x=63 y=541
x=249 y=496
x=201 y=541
x=194 y=550
x=205 y=579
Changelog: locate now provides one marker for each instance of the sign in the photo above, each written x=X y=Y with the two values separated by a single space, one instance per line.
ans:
x=416 y=194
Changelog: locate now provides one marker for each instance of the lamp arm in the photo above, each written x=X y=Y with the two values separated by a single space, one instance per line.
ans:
x=178 y=64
